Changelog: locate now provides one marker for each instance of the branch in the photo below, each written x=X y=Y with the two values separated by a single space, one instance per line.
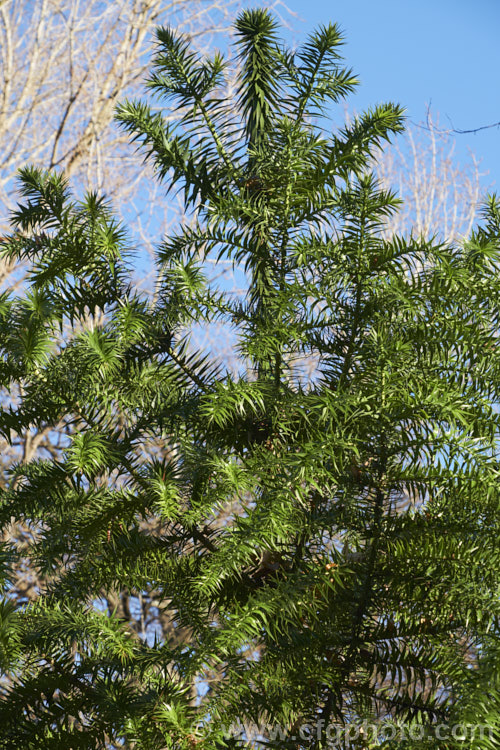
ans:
x=429 y=125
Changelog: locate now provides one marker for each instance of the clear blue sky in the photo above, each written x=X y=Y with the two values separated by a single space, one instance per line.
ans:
x=415 y=52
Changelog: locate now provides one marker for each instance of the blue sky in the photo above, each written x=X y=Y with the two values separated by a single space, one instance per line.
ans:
x=442 y=52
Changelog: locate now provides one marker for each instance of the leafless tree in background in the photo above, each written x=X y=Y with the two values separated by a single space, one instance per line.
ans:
x=441 y=195
x=64 y=64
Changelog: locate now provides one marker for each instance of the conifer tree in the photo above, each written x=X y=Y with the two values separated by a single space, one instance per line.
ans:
x=325 y=539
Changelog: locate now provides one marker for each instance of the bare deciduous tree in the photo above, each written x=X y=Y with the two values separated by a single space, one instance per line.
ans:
x=440 y=194
x=64 y=64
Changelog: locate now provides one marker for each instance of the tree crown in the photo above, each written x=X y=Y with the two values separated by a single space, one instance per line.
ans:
x=310 y=519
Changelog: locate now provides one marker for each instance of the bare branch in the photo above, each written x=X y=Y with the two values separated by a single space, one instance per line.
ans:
x=432 y=127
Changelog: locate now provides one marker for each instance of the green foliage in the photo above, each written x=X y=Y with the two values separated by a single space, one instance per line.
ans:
x=321 y=526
